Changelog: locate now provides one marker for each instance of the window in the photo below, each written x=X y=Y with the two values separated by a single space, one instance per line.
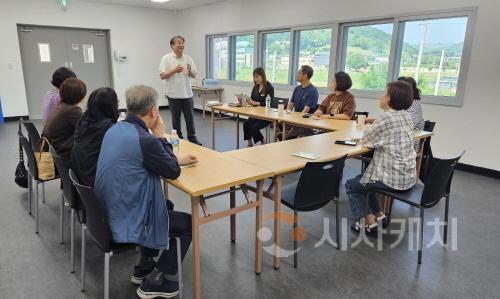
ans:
x=433 y=47
x=243 y=57
x=276 y=56
x=218 y=67
x=88 y=53
x=314 y=50
x=44 y=50
x=367 y=50
x=431 y=52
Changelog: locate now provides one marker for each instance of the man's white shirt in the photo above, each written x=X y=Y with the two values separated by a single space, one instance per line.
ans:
x=178 y=86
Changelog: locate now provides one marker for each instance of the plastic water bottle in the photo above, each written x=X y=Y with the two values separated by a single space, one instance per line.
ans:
x=174 y=140
x=268 y=102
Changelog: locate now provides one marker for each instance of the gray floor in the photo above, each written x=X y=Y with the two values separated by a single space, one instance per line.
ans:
x=37 y=266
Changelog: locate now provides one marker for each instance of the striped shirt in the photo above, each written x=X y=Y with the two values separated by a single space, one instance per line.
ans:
x=393 y=164
x=417 y=117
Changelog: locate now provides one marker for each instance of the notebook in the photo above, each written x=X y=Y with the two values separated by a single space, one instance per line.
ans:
x=306 y=155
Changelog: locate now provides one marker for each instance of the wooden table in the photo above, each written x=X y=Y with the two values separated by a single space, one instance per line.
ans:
x=275 y=116
x=214 y=172
x=203 y=92
x=277 y=157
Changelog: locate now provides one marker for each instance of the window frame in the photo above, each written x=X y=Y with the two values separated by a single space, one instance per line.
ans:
x=232 y=54
x=342 y=53
x=296 y=51
x=262 y=50
x=458 y=99
x=338 y=50
x=209 y=64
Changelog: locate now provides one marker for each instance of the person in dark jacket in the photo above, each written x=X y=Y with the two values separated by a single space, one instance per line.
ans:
x=261 y=90
x=102 y=113
x=128 y=184
x=60 y=126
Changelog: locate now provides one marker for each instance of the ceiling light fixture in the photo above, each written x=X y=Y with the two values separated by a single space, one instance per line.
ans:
x=159 y=1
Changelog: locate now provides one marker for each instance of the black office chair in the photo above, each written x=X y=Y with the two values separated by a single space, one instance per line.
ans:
x=427 y=195
x=69 y=196
x=427 y=152
x=318 y=184
x=33 y=174
x=34 y=136
x=98 y=227
x=275 y=101
x=356 y=113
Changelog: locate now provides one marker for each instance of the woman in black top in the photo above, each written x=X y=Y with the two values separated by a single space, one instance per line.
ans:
x=102 y=113
x=261 y=89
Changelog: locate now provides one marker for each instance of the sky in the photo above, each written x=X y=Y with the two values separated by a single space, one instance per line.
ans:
x=447 y=31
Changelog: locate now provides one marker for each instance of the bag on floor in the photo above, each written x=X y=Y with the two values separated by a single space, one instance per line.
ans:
x=21 y=174
x=44 y=161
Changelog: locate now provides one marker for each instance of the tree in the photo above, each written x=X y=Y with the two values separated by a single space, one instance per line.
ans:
x=375 y=78
x=356 y=61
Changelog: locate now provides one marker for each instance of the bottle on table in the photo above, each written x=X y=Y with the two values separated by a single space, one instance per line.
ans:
x=268 y=102
x=174 y=140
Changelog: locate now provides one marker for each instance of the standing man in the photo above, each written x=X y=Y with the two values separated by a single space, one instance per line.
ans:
x=177 y=69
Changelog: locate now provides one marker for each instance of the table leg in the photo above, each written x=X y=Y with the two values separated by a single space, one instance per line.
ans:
x=420 y=154
x=165 y=189
x=232 y=205
x=277 y=229
x=204 y=100
x=213 y=128
x=258 y=225
x=195 y=219
x=284 y=131
x=237 y=131
x=275 y=131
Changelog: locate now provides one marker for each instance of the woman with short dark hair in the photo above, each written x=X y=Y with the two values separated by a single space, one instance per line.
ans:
x=52 y=98
x=102 y=113
x=340 y=104
x=415 y=110
x=261 y=90
x=393 y=165
x=61 y=123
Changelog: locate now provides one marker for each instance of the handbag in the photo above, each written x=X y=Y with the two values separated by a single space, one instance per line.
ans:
x=21 y=174
x=44 y=161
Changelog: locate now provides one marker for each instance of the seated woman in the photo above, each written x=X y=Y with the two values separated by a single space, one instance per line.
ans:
x=52 y=98
x=393 y=166
x=340 y=104
x=261 y=89
x=415 y=111
x=102 y=113
x=60 y=126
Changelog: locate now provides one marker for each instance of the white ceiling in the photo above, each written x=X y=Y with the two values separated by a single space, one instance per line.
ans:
x=170 y=5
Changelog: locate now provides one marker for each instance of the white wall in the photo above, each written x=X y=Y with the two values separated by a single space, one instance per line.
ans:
x=471 y=127
x=142 y=33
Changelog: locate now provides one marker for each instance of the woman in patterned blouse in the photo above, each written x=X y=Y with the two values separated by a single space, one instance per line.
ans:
x=393 y=166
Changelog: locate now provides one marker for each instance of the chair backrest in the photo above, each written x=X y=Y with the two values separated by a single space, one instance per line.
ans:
x=30 y=155
x=356 y=113
x=429 y=127
x=69 y=190
x=438 y=183
x=96 y=217
x=33 y=134
x=319 y=183
x=279 y=101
